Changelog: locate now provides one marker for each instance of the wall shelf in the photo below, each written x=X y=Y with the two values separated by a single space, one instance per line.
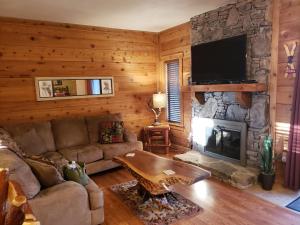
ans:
x=243 y=92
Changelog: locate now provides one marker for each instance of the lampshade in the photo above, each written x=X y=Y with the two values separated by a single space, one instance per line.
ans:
x=159 y=100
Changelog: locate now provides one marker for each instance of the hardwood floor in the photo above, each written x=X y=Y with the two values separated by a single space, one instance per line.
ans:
x=221 y=203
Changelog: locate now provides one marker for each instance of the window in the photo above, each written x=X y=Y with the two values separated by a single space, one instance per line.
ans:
x=173 y=91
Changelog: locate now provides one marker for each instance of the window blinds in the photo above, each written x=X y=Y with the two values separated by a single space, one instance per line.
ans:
x=173 y=91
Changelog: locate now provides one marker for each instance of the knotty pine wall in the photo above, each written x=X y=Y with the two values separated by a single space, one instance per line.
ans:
x=289 y=31
x=32 y=48
x=171 y=42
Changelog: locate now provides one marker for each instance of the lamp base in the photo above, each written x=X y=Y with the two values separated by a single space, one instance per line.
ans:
x=156 y=123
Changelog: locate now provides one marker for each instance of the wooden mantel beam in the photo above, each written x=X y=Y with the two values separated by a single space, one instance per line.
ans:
x=243 y=92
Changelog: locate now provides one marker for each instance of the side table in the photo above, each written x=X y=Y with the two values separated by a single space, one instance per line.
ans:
x=157 y=137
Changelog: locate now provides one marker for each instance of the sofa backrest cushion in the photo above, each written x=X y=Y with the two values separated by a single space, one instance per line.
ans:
x=31 y=143
x=69 y=132
x=93 y=124
x=20 y=172
x=43 y=130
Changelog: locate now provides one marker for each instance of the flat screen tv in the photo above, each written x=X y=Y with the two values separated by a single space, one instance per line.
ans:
x=221 y=61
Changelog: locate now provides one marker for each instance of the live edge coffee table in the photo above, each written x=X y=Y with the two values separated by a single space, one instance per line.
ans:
x=151 y=172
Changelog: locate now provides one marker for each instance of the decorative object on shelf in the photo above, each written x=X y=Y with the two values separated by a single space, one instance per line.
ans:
x=159 y=101
x=57 y=88
x=290 y=70
x=267 y=174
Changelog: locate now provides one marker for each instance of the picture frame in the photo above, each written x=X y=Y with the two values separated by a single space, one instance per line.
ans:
x=57 y=82
x=61 y=88
x=45 y=89
x=106 y=86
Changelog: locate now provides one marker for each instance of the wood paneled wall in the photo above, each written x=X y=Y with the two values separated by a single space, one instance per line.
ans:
x=32 y=48
x=177 y=40
x=289 y=32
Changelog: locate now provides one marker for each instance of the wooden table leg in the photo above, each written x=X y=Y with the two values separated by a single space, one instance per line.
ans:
x=167 y=141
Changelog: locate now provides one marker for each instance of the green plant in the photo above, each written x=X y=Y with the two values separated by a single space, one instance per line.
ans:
x=266 y=156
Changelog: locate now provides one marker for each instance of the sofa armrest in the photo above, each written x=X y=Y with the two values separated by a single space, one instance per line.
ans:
x=96 y=198
x=129 y=136
x=64 y=203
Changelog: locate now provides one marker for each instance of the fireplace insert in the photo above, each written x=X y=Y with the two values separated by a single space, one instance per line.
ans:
x=222 y=139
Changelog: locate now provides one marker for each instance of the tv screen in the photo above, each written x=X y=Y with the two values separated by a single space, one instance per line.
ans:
x=221 y=61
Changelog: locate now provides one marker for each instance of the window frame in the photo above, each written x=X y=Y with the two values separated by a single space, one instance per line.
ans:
x=164 y=83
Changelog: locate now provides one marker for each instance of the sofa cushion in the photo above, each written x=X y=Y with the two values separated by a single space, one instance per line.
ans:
x=20 y=172
x=111 y=132
x=86 y=154
x=43 y=129
x=93 y=124
x=100 y=165
x=63 y=204
x=46 y=173
x=31 y=143
x=112 y=150
x=69 y=132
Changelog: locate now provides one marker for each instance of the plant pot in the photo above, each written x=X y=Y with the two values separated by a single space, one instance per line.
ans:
x=267 y=181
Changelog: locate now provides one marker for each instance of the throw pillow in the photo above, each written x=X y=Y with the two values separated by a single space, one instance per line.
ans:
x=46 y=173
x=6 y=141
x=31 y=143
x=111 y=132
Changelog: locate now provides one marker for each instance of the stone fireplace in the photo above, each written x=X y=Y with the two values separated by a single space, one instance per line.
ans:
x=252 y=18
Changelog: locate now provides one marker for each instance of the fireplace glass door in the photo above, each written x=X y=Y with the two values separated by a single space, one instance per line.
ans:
x=223 y=141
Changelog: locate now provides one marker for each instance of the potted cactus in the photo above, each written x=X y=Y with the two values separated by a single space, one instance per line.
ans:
x=267 y=174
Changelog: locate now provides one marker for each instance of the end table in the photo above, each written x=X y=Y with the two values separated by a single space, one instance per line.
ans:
x=157 y=136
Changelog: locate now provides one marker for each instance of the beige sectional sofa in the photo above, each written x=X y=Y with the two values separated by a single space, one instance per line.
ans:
x=59 y=140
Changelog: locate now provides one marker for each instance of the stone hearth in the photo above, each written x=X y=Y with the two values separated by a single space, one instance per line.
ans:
x=238 y=176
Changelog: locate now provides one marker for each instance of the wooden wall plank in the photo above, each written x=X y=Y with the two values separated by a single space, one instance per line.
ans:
x=289 y=31
x=173 y=41
x=34 y=48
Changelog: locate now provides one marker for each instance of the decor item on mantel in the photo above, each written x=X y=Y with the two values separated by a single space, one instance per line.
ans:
x=267 y=175
x=159 y=101
x=290 y=70
x=58 y=88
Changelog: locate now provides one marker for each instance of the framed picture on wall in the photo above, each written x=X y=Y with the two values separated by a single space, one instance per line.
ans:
x=45 y=89
x=58 y=88
x=106 y=87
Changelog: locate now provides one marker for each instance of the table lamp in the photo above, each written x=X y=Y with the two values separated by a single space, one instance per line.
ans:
x=159 y=101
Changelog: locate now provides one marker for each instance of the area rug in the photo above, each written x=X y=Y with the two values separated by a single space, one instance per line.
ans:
x=150 y=212
x=295 y=205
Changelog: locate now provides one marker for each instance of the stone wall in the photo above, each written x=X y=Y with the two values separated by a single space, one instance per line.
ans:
x=244 y=17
